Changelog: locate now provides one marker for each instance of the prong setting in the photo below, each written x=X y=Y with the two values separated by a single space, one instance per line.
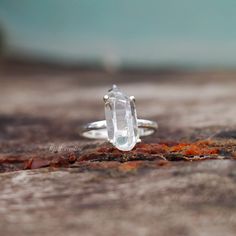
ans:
x=105 y=98
x=109 y=141
x=132 y=98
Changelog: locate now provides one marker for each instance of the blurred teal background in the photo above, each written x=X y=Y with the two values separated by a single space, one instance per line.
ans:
x=184 y=33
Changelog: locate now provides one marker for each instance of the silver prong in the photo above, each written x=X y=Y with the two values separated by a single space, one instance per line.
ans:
x=132 y=98
x=110 y=141
x=139 y=140
x=105 y=98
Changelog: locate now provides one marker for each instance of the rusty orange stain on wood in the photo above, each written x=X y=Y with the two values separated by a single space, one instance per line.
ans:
x=195 y=148
x=129 y=166
x=163 y=153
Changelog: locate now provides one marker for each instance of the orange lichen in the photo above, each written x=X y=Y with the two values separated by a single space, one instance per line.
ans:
x=195 y=149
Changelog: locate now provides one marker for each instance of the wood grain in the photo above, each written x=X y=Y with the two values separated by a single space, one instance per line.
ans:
x=181 y=181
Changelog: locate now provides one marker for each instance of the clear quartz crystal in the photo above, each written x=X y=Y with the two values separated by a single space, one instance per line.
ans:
x=121 y=120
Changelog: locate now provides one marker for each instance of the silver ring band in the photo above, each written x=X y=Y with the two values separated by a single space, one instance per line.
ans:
x=98 y=129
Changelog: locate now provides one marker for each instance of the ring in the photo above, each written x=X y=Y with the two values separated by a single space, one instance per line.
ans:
x=121 y=127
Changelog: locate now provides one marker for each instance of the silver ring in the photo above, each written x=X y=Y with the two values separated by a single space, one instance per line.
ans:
x=121 y=127
x=98 y=129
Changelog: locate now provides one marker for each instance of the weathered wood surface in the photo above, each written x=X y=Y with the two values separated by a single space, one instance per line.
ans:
x=85 y=187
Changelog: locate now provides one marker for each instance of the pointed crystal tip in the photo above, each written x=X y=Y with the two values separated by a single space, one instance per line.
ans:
x=114 y=86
